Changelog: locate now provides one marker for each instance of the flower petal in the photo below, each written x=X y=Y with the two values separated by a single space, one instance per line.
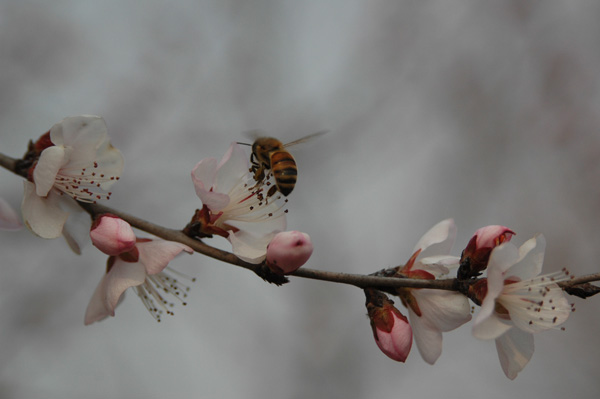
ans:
x=97 y=308
x=9 y=220
x=487 y=325
x=121 y=276
x=85 y=133
x=44 y=173
x=446 y=310
x=515 y=349
x=232 y=168
x=203 y=176
x=427 y=337
x=110 y=162
x=43 y=216
x=438 y=240
x=155 y=255
x=249 y=247
x=539 y=309
x=502 y=258
x=531 y=259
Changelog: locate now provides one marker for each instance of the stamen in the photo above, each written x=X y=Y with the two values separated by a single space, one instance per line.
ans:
x=150 y=292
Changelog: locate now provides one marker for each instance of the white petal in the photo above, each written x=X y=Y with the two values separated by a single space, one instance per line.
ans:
x=502 y=258
x=232 y=169
x=438 y=240
x=9 y=220
x=437 y=265
x=515 y=349
x=97 y=308
x=487 y=325
x=531 y=258
x=427 y=337
x=110 y=163
x=81 y=132
x=43 y=216
x=537 y=310
x=76 y=228
x=446 y=310
x=203 y=176
x=122 y=276
x=155 y=255
x=44 y=173
x=249 y=247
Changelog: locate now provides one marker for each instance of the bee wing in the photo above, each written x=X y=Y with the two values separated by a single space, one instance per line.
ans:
x=304 y=139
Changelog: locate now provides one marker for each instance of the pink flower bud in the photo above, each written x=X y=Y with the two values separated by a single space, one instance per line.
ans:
x=112 y=235
x=392 y=333
x=492 y=236
x=475 y=257
x=288 y=250
x=394 y=338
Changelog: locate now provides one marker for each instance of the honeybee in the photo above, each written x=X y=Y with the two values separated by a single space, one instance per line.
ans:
x=269 y=153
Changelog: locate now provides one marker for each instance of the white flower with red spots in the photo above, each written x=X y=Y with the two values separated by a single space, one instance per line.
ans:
x=75 y=160
x=430 y=311
x=137 y=263
x=234 y=208
x=518 y=302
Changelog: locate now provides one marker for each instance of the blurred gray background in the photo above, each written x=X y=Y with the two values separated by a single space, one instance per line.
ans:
x=487 y=113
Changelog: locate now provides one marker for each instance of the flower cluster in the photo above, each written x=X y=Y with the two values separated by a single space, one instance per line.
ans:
x=515 y=300
x=134 y=262
x=72 y=161
x=75 y=162
x=233 y=207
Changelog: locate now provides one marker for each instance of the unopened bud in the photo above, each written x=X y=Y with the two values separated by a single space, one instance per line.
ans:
x=112 y=235
x=474 y=258
x=392 y=333
x=287 y=251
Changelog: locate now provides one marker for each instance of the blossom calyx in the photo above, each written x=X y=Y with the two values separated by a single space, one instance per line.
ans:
x=474 y=258
x=287 y=251
x=391 y=330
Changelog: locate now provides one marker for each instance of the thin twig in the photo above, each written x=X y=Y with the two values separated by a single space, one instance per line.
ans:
x=358 y=280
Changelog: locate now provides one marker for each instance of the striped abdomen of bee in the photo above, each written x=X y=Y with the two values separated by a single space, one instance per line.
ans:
x=284 y=171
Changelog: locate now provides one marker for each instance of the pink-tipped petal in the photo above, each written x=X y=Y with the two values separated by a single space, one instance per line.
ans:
x=493 y=235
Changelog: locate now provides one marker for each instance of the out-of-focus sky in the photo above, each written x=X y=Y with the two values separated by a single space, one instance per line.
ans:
x=484 y=112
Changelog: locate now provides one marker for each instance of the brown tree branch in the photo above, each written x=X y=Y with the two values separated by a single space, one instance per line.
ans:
x=358 y=280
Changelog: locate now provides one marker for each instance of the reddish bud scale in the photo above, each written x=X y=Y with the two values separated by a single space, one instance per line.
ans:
x=42 y=143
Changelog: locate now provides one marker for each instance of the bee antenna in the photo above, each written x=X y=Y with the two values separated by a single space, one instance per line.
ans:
x=244 y=144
